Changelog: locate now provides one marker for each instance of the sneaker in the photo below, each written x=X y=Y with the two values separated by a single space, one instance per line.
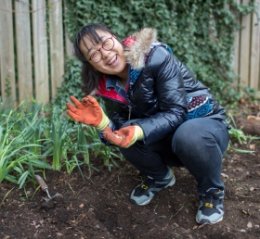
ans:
x=211 y=208
x=143 y=193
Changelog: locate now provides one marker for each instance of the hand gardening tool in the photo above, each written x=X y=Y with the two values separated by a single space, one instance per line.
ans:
x=44 y=188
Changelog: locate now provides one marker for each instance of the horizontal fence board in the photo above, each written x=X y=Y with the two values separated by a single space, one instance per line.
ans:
x=40 y=48
x=7 y=52
x=56 y=44
x=24 y=50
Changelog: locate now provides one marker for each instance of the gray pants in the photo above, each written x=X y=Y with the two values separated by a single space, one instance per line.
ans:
x=197 y=144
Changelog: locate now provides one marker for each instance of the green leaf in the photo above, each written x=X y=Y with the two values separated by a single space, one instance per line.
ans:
x=22 y=179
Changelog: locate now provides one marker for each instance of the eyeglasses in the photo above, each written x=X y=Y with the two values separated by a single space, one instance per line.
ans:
x=107 y=44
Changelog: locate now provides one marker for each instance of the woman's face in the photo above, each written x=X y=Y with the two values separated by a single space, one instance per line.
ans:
x=107 y=56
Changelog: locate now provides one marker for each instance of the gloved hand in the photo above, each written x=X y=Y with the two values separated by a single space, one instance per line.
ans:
x=124 y=137
x=88 y=112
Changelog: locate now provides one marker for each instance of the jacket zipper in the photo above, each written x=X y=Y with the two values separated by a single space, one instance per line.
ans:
x=129 y=111
x=129 y=95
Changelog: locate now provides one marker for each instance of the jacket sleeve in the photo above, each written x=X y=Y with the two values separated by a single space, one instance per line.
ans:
x=171 y=96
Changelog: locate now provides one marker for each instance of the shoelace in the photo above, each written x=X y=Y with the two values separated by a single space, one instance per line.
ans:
x=210 y=200
x=146 y=184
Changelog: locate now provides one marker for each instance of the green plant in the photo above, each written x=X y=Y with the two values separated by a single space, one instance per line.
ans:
x=237 y=135
x=34 y=138
x=108 y=154
x=88 y=148
x=72 y=145
x=81 y=144
x=79 y=151
x=58 y=138
x=19 y=155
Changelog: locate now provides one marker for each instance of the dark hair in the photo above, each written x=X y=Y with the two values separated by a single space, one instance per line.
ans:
x=89 y=74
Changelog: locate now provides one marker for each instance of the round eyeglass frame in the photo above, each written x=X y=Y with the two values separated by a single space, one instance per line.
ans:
x=103 y=46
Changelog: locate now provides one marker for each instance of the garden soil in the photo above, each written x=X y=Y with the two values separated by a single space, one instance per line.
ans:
x=98 y=207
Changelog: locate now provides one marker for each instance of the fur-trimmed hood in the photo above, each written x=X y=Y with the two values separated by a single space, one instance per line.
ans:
x=138 y=45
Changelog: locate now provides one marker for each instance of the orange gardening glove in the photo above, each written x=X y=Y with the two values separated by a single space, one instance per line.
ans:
x=88 y=112
x=124 y=137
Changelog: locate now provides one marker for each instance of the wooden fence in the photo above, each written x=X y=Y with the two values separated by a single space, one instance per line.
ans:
x=32 y=54
x=247 y=50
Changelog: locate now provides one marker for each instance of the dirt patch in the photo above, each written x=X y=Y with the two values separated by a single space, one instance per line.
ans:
x=99 y=207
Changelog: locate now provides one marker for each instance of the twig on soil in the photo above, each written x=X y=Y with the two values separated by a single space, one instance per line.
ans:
x=196 y=227
x=154 y=210
x=111 y=178
x=119 y=193
x=5 y=196
x=177 y=211
x=118 y=179
x=78 y=193
x=71 y=188
x=173 y=215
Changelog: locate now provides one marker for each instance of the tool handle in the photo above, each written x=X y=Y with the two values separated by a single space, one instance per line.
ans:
x=41 y=182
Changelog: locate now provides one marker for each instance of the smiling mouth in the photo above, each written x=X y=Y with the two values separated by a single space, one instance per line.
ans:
x=112 y=61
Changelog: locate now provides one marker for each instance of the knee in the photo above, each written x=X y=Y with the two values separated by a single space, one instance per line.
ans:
x=190 y=136
x=137 y=152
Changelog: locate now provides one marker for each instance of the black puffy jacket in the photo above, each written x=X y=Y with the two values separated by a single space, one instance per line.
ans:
x=157 y=102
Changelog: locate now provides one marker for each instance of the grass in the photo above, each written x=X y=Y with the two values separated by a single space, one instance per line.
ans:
x=35 y=138
x=238 y=137
x=19 y=146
